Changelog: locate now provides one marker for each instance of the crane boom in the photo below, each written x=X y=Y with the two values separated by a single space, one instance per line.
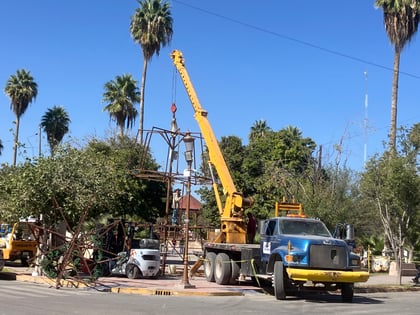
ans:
x=233 y=225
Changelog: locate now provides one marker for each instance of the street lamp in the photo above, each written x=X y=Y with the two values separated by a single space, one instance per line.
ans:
x=189 y=157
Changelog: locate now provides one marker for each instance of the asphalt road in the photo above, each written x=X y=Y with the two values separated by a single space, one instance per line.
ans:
x=31 y=298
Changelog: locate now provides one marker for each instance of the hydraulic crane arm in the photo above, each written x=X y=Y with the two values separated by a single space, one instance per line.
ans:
x=233 y=225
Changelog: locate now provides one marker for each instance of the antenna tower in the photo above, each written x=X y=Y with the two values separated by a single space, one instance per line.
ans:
x=365 y=120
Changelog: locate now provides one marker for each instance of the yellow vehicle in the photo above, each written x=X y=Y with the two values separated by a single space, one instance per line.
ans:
x=232 y=215
x=17 y=242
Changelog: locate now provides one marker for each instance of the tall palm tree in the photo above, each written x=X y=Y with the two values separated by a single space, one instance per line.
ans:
x=401 y=19
x=22 y=90
x=55 y=123
x=259 y=129
x=121 y=95
x=151 y=27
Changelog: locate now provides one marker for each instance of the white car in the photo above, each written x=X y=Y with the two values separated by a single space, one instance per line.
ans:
x=142 y=262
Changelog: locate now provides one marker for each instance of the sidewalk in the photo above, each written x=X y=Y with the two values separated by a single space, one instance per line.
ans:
x=174 y=284
x=168 y=284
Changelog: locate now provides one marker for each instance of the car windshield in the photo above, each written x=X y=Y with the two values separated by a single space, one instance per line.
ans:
x=301 y=227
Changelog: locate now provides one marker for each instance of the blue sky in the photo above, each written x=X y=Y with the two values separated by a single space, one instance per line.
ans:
x=290 y=63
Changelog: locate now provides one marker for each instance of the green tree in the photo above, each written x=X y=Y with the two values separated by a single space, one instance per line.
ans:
x=258 y=129
x=55 y=123
x=233 y=152
x=391 y=184
x=97 y=178
x=151 y=27
x=401 y=19
x=267 y=169
x=134 y=196
x=121 y=95
x=22 y=90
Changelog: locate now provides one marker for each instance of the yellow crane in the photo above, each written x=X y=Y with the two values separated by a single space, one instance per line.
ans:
x=233 y=224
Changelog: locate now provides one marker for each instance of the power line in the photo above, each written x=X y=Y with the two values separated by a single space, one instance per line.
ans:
x=292 y=39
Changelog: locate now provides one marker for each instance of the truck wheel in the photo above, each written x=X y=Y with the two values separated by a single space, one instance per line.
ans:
x=235 y=271
x=278 y=281
x=132 y=271
x=222 y=269
x=209 y=266
x=347 y=292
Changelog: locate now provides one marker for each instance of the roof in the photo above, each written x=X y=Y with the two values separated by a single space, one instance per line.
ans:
x=195 y=205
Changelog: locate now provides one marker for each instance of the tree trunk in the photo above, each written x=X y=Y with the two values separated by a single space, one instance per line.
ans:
x=142 y=88
x=394 y=101
x=16 y=140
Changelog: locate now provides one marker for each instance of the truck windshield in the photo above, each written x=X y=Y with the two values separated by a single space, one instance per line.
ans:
x=300 y=227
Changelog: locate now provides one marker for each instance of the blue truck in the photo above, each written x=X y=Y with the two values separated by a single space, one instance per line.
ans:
x=295 y=254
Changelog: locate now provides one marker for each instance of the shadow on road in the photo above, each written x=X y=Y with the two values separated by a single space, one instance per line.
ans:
x=335 y=298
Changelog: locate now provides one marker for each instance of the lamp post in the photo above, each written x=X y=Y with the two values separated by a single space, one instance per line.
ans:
x=189 y=156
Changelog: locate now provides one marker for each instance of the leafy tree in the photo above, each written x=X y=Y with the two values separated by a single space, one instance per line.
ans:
x=258 y=130
x=97 y=178
x=134 y=196
x=121 y=95
x=22 y=90
x=151 y=27
x=55 y=123
x=375 y=243
x=233 y=152
x=391 y=184
x=267 y=169
x=334 y=197
x=401 y=19
x=275 y=165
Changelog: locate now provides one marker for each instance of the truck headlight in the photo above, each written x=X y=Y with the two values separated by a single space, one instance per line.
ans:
x=292 y=258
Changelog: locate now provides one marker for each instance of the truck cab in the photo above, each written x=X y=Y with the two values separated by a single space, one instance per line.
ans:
x=301 y=254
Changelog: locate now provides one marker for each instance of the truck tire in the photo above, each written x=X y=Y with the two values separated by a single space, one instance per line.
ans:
x=235 y=271
x=209 y=266
x=222 y=269
x=278 y=281
x=132 y=271
x=347 y=292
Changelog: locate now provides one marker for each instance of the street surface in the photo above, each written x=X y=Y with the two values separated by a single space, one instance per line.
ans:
x=30 y=298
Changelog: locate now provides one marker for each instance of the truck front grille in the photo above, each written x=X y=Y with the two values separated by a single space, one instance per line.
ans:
x=327 y=257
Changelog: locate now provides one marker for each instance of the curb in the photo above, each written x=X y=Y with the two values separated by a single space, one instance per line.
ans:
x=386 y=288
x=165 y=292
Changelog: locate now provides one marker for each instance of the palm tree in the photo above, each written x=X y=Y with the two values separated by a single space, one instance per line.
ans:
x=22 y=90
x=401 y=19
x=259 y=130
x=121 y=95
x=151 y=27
x=55 y=124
